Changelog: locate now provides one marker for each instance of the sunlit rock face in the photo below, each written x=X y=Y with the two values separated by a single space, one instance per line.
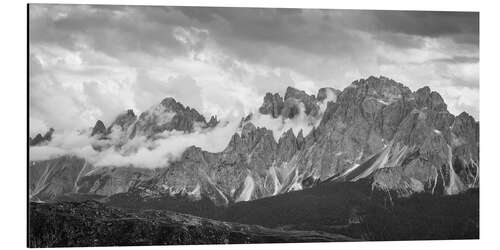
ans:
x=376 y=129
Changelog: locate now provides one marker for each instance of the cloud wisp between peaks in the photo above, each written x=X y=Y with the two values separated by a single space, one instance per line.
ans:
x=90 y=62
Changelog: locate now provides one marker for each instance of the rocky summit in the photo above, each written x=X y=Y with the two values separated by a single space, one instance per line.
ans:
x=39 y=139
x=401 y=142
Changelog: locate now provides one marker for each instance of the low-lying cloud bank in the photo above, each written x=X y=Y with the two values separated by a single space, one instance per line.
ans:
x=66 y=143
x=280 y=125
x=301 y=121
x=139 y=151
x=169 y=145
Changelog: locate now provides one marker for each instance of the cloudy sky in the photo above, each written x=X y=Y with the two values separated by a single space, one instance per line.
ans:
x=93 y=62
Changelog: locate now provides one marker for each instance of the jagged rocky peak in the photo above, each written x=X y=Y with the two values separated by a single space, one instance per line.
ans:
x=466 y=126
x=98 y=129
x=213 y=121
x=49 y=133
x=39 y=139
x=426 y=98
x=366 y=98
x=171 y=104
x=295 y=100
x=288 y=139
x=327 y=92
x=465 y=121
x=293 y=95
x=290 y=105
x=250 y=137
x=123 y=120
x=401 y=141
x=273 y=105
x=382 y=88
x=288 y=145
x=292 y=92
x=170 y=115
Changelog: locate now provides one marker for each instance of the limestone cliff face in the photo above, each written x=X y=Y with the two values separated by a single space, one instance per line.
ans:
x=377 y=129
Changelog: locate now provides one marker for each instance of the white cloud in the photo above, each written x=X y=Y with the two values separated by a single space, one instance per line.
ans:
x=161 y=152
x=138 y=151
x=222 y=62
x=37 y=126
x=461 y=99
x=64 y=143
x=41 y=153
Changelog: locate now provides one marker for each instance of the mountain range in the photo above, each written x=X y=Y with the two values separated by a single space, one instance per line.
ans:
x=375 y=135
x=406 y=142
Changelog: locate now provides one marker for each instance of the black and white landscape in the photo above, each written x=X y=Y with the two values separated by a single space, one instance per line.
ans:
x=154 y=125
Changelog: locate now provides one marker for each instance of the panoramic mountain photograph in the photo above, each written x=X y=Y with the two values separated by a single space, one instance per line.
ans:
x=170 y=125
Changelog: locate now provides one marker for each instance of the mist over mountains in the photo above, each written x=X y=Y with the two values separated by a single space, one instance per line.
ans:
x=374 y=161
x=405 y=142
x=159 y=125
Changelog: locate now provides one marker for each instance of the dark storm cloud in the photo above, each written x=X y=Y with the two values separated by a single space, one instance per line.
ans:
x=303 y=39
x=285 y=26
x=247 y=32
x=295 y=39
x=459 y=59
x=109 y=29
x=250 y=34
x=429 y=23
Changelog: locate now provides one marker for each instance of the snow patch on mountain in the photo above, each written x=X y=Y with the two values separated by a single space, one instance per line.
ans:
x=248 y=188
